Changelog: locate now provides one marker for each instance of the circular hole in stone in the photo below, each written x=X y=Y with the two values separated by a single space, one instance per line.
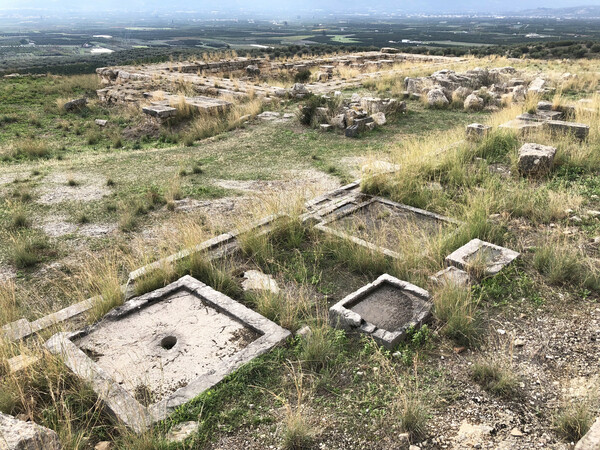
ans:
x=168 y=342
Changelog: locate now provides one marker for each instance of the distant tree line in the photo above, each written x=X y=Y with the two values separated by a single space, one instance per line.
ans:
x=68 y=65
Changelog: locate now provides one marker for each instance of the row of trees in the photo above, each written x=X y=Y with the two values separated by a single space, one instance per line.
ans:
x=87 y=64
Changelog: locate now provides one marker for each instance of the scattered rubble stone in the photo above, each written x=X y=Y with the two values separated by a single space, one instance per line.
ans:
x=537 y=86
x=299 y=90
x=352 y=131
x=304 y=332
x=452 y=275
x=379 y=118
x=16 y=434
x=473 y=103
x=101 y=122
x=75 y=105
x=258 y=281
x=461 y=93
x=252 y=70
x=436 y=98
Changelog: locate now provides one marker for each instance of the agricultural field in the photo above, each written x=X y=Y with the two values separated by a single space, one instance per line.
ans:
x=31 y=46
x=507 y=360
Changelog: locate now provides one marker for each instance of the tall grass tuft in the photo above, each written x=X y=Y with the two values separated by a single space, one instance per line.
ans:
x=456 y=310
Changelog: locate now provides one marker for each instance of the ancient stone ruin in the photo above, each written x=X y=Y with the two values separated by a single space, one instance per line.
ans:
x=385 y=309
x=476 y=89
x=160 y=350
x=479 y=255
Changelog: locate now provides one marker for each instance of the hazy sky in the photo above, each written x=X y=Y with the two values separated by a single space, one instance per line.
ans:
x=293 y=6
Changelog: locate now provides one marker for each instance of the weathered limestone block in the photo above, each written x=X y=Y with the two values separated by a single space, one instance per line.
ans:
x=255 y=280
x=76 y=104
x=16 y=434
x=160 y=112
x=473 y=103
x=252 y=70
x=477 y=130
x=537 y=86
x=352 y=131
x=544 y=106
x=578 y=130
x=462 y=93
x=536 y=159
x=436 y=98
x=299 y=90
x=453 y=276
x=591 y=440
x=384 y=309
x=379 y=118
x=519 y=93
x=522 y=127
x=338 y=121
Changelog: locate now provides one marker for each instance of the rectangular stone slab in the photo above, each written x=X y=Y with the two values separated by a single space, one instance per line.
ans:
x=206 y=313
x=494 y=256
x=384 y=309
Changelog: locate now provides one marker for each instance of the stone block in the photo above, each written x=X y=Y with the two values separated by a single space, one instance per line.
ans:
x=338 y=121
x=436 y=98
x=537 y=86
x=522 y=127
x=536 y=159
x=160 y=112
x=578 y=130
x=352 y=131
x=473 y=103
x=385 y=309
x=477 y=131
x=591 y=440
x=75 y=105
x=544 y=106
x=452 y=275
x=379 y=118
x=16 y=434
x=492 y=257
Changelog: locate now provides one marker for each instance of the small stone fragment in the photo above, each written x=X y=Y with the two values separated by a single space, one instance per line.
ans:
x=258 y=281
x=182 y=431
x=516 y=432
x=19 y=435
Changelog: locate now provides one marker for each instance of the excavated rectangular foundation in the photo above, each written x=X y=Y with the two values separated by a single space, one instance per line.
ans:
x=162 y=349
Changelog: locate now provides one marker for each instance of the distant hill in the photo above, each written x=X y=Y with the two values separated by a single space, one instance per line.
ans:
x=572 y=12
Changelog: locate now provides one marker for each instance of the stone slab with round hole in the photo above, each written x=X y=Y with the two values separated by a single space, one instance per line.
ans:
x=160 y=350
